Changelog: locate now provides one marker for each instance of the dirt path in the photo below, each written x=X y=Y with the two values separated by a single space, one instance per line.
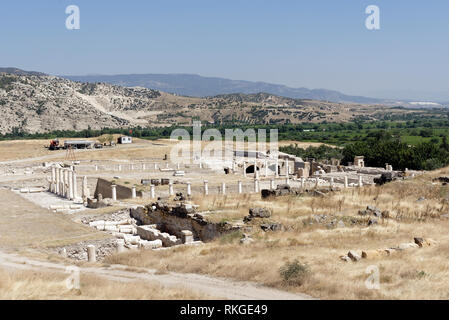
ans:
x=214 y=287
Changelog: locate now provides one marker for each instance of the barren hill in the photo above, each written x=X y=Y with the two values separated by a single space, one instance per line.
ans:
x=40 y=103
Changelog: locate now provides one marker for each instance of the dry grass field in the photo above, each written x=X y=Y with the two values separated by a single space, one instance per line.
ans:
x=31 y=285
x=415 y=208
x=24 y=224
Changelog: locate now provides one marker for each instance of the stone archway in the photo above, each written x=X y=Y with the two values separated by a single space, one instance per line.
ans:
x=250 y=169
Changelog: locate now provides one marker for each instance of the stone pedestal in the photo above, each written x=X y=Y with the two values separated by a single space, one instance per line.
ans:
x=189 y=189
x=206 y=187
x=91 y=254
x=114 y=192
x=256 y=185
x=186 y=236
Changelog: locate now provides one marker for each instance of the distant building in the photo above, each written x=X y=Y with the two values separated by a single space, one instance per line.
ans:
x=78 y=144
x=124 y=140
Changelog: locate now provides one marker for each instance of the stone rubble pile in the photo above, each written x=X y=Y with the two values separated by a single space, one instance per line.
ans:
x=78 y=251
x=355 y=256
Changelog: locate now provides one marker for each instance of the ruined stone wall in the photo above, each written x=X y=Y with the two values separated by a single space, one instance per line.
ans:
x=104 y=187
x=176 y=219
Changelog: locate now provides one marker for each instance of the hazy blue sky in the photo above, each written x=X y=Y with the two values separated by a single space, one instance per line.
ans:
x=314 y=44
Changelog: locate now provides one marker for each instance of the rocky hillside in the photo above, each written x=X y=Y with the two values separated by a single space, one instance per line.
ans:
x=40 y=103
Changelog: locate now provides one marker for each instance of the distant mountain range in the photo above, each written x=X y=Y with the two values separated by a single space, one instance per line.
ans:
x=19 y=72
x=32 y=102
x=198 y=86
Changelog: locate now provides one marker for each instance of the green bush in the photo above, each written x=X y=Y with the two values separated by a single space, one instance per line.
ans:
x=294 y=273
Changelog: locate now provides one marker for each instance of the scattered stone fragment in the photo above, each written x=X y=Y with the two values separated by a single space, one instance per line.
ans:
x=260 y=212
x=246 y=240
x=372 y=254
x=354 y=255
x=408 y=245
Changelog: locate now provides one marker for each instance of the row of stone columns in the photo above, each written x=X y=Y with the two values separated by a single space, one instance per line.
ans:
x=240 y=186
x=143 y=167
x=266 y=164
x=63 y=182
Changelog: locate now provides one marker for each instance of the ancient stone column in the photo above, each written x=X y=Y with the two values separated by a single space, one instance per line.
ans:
x=133 y=192
x=62 y=181
x=120 y=245
x=223 y=188
x=303 y=182
x=206 y=187
x=256 y=172
x=91 y=255
x=287 y=180
x=170 y=189
x=189 y=189
x=152 y=193
x=244 y=169
x=240 y=187
x=84 y=191
x=332 y=182
x=201 y=164
x=155 y=166
x=346 y=181
x=256 y=185
x=119 y=167
x=57 y=185
x=178 y=166
x=70 y=185
x=96 y=167
x=272 y=184
x=277 y=169
x=66 y=184
x=114 y=192
x=143 y=167
x=317 y=182
x=266 y=168
x=360 y=181
x=287 y=173
x=53 y=179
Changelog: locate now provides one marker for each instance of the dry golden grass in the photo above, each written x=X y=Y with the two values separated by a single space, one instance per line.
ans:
x=27 y=285
x=412 y=274
x=25 y=224
x=19 y=149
